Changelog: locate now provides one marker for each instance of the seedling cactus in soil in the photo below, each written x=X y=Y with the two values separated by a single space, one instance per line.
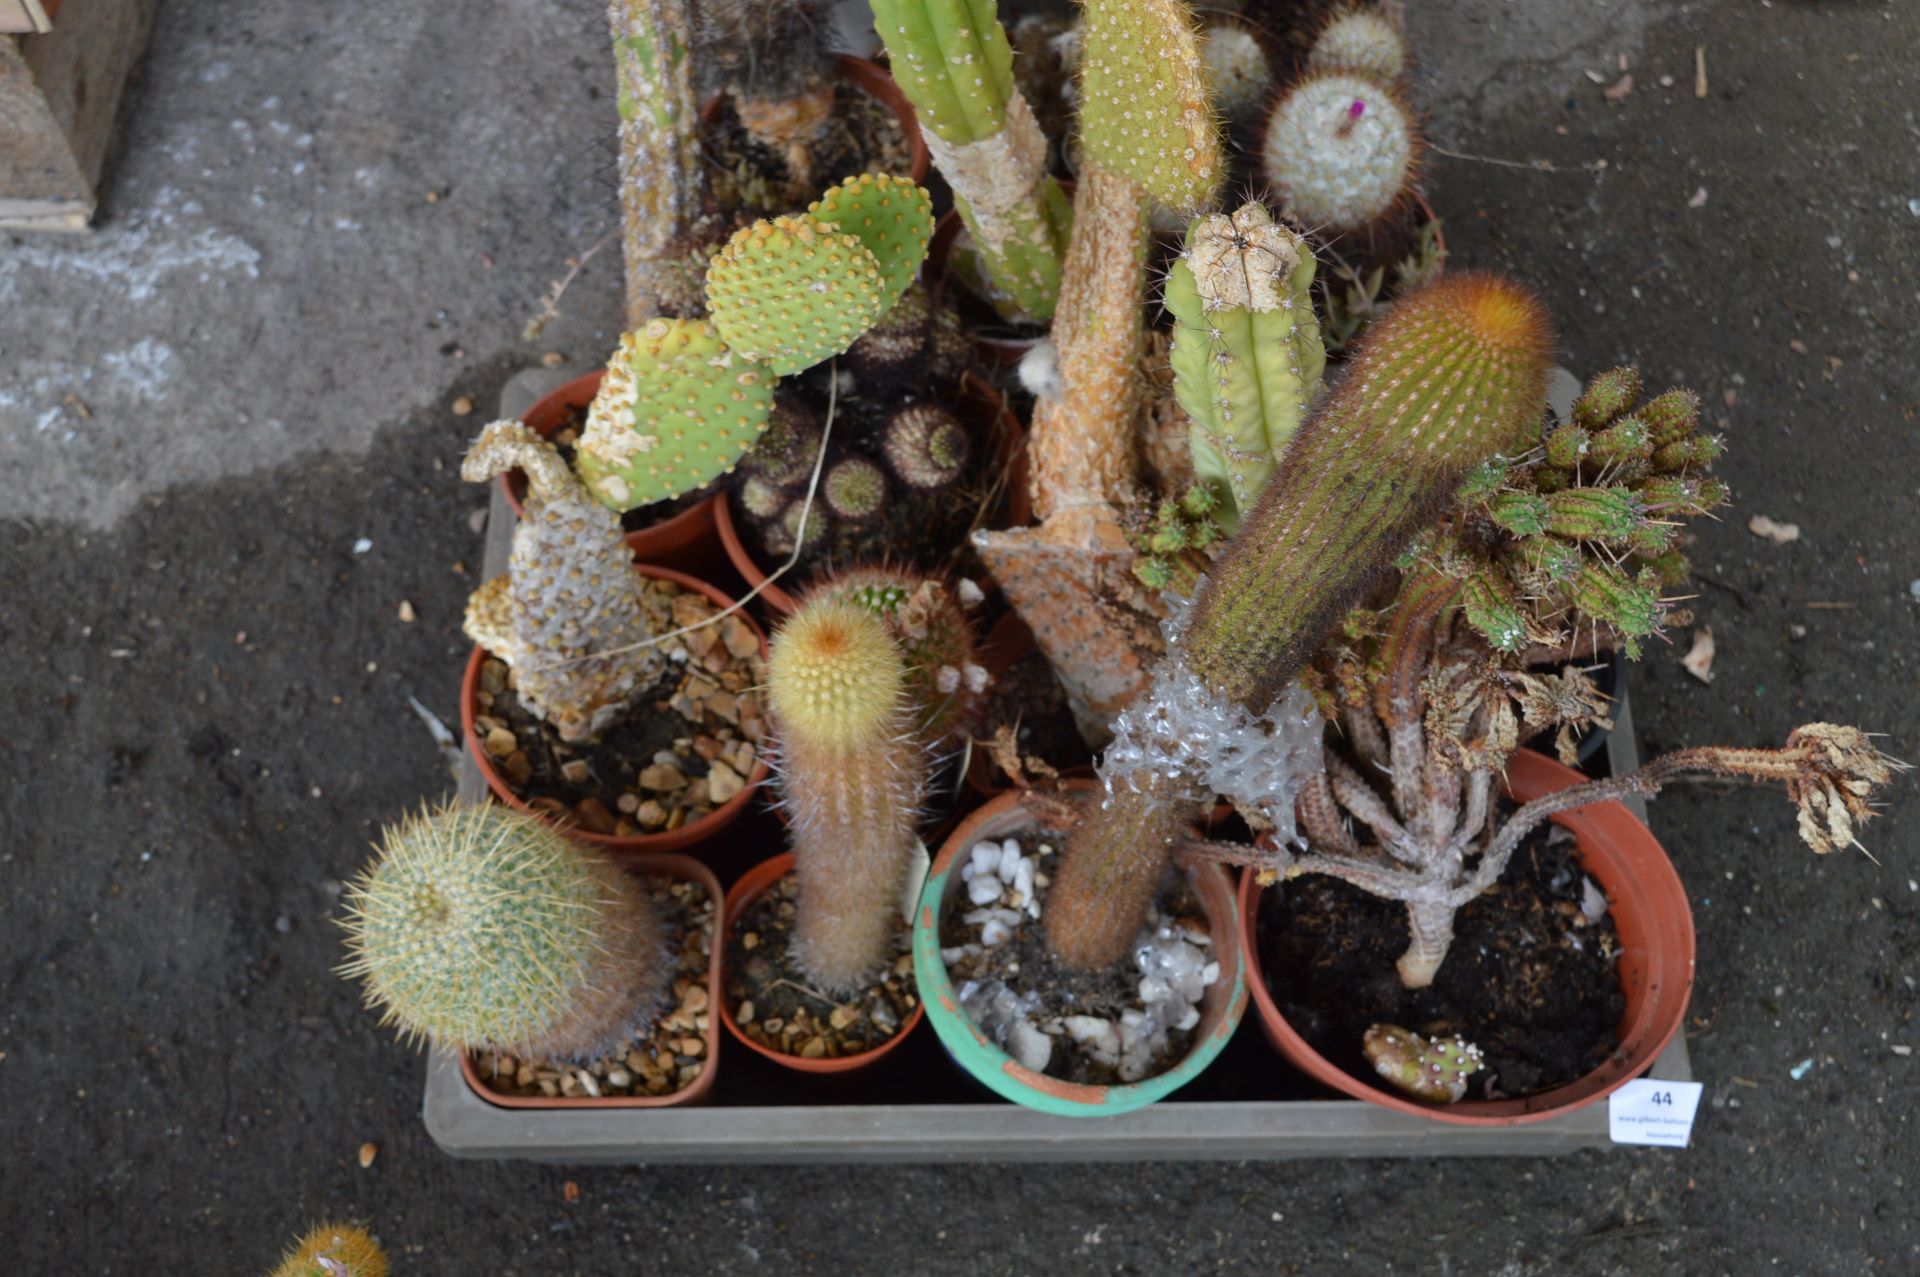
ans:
x=1432 y=1069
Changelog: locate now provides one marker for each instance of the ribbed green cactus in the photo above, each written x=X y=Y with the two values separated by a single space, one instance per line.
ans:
x=1340 y=152
x=1453 y=373
x=333 y=1250
x=1432 y=1069
x=567 y=616
x=1247 y=355
x=675 y=408
x=952 y=60
x=852 y=774
x=1361 y=41
x=481 y=927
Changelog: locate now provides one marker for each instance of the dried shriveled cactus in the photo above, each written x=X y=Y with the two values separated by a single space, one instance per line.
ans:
x=567 y=616
x=478 y=927
x=1454 y=373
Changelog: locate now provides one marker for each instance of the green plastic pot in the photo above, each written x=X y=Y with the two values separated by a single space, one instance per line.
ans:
x=1220 y=1011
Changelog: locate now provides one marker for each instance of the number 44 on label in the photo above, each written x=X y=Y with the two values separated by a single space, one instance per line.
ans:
x=1651 y=1111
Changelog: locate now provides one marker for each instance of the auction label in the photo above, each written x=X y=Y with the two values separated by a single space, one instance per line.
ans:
x=1649 y=1111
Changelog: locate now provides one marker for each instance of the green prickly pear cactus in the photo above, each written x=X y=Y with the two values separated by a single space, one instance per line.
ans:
x=793 y=291
x=1247 y=353
x=891 y=217
x=675 y=408
x=1436 y=1070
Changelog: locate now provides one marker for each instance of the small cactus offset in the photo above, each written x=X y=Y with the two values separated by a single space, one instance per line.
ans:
x=481 y=927
x=926 y=446
x=333 y=1250
x=1453 y=373
x=1436 y=1070
x=952 y=61
x=1238 y=69
x=852 y=774
x=567 y=617
x=1362 y=41
x=1340 y=152
x=1247 y=355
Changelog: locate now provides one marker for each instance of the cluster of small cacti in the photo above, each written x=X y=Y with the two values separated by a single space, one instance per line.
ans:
x=333 y=1250
x=682 y=400
x=481 y=927
x=567 y=616
x=866 y=681
x=1582 y=534
x=1436 y=1070
x=1341 y=146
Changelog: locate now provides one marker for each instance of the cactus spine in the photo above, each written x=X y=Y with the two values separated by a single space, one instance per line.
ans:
x=662 y=181
x=952 y=60
x=333 y=1250
x=481 y=927
x=1247 y=355
x=852 y=775
x=1453 y=373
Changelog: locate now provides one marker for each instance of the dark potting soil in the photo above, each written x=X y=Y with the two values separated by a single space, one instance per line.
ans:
x=640 y=518
x=689 y=744
x=861 y=136
x=1025 y=963
x=1528 y=980
x=772 y=1004
x=670 y=1053
x=1029 y=699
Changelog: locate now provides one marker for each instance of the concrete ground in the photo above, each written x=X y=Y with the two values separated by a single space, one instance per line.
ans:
x=329 y=223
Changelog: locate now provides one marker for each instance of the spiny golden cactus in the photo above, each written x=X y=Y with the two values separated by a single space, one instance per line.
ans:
x=334 y=1250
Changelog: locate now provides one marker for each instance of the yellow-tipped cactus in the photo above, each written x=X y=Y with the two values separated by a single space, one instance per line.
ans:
x=852 y=774
x=481 y=927
x=333 y=1250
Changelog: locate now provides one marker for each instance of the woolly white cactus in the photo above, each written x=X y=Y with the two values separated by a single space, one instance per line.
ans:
x=1238 y=67
x=1339 y=151
x=1362 y=41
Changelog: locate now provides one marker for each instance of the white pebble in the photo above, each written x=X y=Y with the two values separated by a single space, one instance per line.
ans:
x=1029 y=1045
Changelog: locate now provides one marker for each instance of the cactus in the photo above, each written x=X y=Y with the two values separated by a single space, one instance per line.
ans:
x=334 y=1250
x=1246 y=356
x=1432 y=1069
x=792 y=292
x=926 y=446
x=662 y=178
x=567 y=616
x=856 y=490
x=1238 y=69
x=774 y=59
x=479 y=927
x=927 y=619
x=675 y=409
x=952 y=61
x=784 y=453
x=890 y=216
x=1148 y=136
x=852 y=775
x=1453 y=373
x=1340 y=151
x=1362 y=42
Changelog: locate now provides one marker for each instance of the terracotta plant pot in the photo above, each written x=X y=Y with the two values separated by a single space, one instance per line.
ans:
x=978 y=402
x=1655 y=924
x=751 y=886
x=689 y=834
x=1220 y=1012
x=685 y=541
x=687 y=869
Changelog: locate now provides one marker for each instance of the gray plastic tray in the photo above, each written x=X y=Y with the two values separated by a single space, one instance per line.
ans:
x=946 y=1121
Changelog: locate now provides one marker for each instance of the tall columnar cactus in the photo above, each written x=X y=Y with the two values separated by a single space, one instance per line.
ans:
x=567 y=616
x=952 y=60
x=683 y=399
x=481 y=927
x=852 y=773
x=333 y=1250
x=1455 y=372
x=662 y=179
x=1340 y=151
x=1247 y=355
x=1148 y=137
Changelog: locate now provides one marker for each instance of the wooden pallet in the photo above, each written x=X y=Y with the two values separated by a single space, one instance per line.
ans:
x=62 y=88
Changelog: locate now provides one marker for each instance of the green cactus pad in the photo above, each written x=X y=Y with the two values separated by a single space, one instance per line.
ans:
x=793 y=291
x=891 y=216
x=1145 y=100
x=676 y=409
